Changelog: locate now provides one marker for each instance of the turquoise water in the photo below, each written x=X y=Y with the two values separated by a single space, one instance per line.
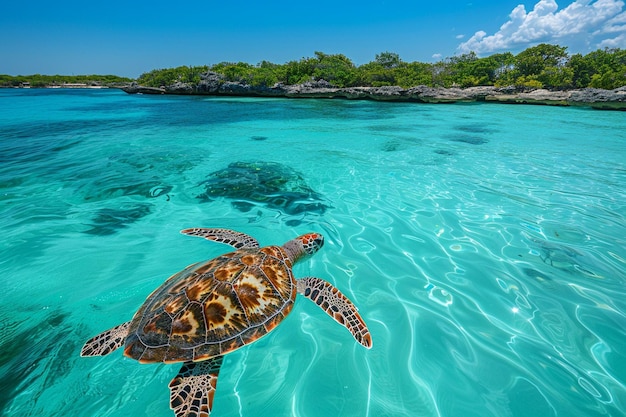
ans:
x=485 y=246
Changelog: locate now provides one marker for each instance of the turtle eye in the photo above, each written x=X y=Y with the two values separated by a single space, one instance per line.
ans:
x=318 y=241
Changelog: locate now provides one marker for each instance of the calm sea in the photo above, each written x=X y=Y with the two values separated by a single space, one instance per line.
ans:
x=485 y=246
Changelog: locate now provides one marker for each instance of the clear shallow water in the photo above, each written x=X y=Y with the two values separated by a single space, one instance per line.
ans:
x=485 y=246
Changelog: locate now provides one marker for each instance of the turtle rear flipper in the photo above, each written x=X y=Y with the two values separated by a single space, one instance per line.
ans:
x=192 y=390
x=106 y=342
x=336 y=305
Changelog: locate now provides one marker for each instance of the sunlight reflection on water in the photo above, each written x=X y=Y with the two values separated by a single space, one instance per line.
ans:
x=490 y=272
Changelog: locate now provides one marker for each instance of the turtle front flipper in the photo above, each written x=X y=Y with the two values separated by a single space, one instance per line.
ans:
x=235 y=239
x=192 y=390
x=106 y=342
x=336 y=305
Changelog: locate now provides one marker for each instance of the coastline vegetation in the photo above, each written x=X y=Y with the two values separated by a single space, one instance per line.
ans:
x=38 y=80
x=542 y=66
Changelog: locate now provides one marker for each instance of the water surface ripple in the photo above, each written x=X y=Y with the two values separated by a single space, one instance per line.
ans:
x=484 y=245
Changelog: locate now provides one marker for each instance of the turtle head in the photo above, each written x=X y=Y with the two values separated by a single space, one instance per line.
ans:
x=303 y=246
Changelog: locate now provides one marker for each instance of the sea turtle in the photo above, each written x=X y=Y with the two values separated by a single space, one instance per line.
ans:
x=214 y=307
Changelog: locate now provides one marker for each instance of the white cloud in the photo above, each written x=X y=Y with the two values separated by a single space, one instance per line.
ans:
x=616 y=42
x=460 y=36
x=595 y=23
x=437 y=56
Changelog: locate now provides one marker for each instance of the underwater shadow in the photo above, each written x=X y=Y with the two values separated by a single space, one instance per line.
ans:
x=270 y=184
x=107 y=221
x=30 y=359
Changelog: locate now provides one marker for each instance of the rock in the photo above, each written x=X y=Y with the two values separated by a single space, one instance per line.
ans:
x=386 y=93
x=317 y=84
x=270 y=184
x=135 y=88
x=427 y=94
x=212 y=83
x=601 y=99
x=539 y=96
x=235 y=89
x=314 y=89
x=180 y=88
x=209 y=82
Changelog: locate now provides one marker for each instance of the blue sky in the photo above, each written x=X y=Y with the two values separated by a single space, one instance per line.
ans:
x=131 y=37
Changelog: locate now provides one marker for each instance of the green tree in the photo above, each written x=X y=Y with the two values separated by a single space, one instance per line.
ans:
x=240 y=72
x=169 y=76
x=538 y=66
x=560 y=77
x=468 y=70
x=608 y=78
x=336 y=69
x=442 y=74
x=296 y=72
x=412 y=74
x=39 y=80
x=374 y=74
x=534 y=60
x=388 y=60
x=495 y=66
x=604 y=68
x=265 y=76
x=582 y=70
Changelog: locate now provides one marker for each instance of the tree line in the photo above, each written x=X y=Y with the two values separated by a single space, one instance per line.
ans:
x=542 y=66
x=38 y=80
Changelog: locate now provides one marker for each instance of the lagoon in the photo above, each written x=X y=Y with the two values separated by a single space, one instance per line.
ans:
x=484 y=244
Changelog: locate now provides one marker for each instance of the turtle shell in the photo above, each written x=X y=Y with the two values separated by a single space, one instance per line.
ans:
x=213 y=307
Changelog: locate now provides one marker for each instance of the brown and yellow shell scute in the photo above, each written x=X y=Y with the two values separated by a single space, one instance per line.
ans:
x=214 y=307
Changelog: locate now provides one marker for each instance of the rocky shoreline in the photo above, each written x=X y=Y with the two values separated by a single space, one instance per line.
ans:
x=214 y=84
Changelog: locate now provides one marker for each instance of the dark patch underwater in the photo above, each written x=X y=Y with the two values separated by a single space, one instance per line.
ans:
x=270 y=184
x=108 y=221
x=30 y=359
x=472 y=140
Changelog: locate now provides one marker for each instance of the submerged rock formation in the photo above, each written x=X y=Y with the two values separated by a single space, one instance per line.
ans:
x=215 y=84
x=270 y=184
